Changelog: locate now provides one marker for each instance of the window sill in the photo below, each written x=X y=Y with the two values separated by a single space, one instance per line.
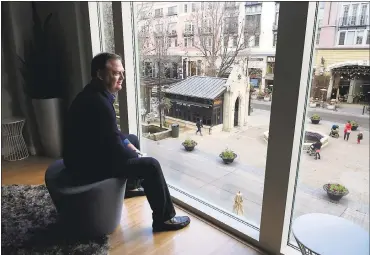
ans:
x=224 y=222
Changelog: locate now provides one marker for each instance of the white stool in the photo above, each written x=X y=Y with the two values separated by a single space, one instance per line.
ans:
x=14 y=145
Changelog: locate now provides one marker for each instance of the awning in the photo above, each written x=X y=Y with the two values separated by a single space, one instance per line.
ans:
x=188 y=104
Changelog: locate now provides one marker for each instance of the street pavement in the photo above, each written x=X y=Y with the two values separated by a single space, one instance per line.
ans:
x=334 y=117
x=203 y=174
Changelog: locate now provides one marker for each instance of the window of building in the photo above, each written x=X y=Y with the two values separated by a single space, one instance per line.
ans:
x=350 y=38
x=226 y=41
x=359 y=37
x=368 y=37
x=209 y=42
x=189 y=27
x=257 y=41
x=158 y=12
x=185 y=8
x=274 y=39
x=195 y=7
x=318 y=36
x=175 y=42
x=172 y=10
x=364 y=14
x=253 y=9
x=235 y=41
x=189 y=42
x=342 y=36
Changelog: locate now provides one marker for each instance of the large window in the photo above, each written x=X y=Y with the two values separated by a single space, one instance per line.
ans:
x=351 y=37
x=266 y=123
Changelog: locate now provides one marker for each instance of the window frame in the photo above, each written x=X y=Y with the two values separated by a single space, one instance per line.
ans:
x=279 y=186
x=353 y=45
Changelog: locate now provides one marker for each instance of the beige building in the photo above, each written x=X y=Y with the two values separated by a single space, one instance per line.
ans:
x=343 y=50
x=177 y=21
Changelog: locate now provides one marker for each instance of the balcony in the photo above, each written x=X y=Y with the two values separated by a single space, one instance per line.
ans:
x=252 y=3
x=158 y=15
x=172 y=13
x=230 y=30
x=188 y=33
x=206 y=31
x=232 y=6
x=172 y=33
x=353 y=21
x=158 y=34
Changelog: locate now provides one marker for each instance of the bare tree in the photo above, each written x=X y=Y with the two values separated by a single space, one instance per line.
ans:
x=220 y=34
x=156 y=39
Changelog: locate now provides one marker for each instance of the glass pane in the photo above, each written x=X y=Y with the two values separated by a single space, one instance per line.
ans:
x=350 y=37
x=334 y=163
x=218 y=89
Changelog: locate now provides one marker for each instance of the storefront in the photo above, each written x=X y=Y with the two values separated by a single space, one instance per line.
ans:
x=197 y=97
x=350 y=83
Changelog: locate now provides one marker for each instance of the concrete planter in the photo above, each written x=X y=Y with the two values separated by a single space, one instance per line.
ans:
x=330 y=107
x=266 y=99
x=254 y=97
x=312 y=105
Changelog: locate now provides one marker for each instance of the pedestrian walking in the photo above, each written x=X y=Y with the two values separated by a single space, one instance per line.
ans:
x=359 y=137
x=199 y=125
x=347 y=130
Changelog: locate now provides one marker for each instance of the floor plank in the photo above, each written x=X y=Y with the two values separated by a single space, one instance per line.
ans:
x=134 y=235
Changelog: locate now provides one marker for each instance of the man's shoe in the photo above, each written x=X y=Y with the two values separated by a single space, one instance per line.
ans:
x=135 y=193
x=176 y=223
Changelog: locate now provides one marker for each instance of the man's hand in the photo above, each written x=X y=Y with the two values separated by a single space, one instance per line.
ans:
x=132 y=147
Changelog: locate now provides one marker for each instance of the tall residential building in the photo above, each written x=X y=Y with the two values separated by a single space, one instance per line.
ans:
x=170 y=32
x=343 y=43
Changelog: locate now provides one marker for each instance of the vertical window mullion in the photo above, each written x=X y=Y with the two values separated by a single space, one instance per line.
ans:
x=125 y=43
x=292 y=66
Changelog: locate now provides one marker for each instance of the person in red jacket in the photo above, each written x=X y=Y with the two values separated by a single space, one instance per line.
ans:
x=347 y=130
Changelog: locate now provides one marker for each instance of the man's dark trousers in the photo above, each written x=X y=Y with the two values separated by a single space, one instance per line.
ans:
x=148 y=172
x=133 y=183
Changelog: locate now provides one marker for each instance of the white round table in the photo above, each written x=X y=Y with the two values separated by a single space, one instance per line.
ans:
x=324 y=234
x=14 y=145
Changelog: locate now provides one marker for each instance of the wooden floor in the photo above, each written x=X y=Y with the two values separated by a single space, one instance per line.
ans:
x=134 y=235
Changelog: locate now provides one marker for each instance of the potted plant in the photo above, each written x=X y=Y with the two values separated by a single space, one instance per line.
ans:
x=354 y=125
x=189 y=144
x=44 y=81
x=228 y=156
x=335 y=191
x=260 y=95
x=267 y=97
x=315 y=119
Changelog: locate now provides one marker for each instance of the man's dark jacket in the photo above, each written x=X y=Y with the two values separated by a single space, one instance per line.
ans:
x=92 y=146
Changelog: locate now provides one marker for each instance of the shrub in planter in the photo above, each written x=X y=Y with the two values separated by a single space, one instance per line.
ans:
x=315 y=119
x=189 y=144
x=228 y=156
x=354 y=125
x=335 y=191
x=260 y=95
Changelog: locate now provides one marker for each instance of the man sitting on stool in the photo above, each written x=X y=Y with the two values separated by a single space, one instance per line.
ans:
x=94 y=149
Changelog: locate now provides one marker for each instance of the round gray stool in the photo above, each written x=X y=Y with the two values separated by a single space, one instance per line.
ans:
x=91 y=210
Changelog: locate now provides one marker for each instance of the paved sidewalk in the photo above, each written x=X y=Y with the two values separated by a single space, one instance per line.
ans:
x=203 y=174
